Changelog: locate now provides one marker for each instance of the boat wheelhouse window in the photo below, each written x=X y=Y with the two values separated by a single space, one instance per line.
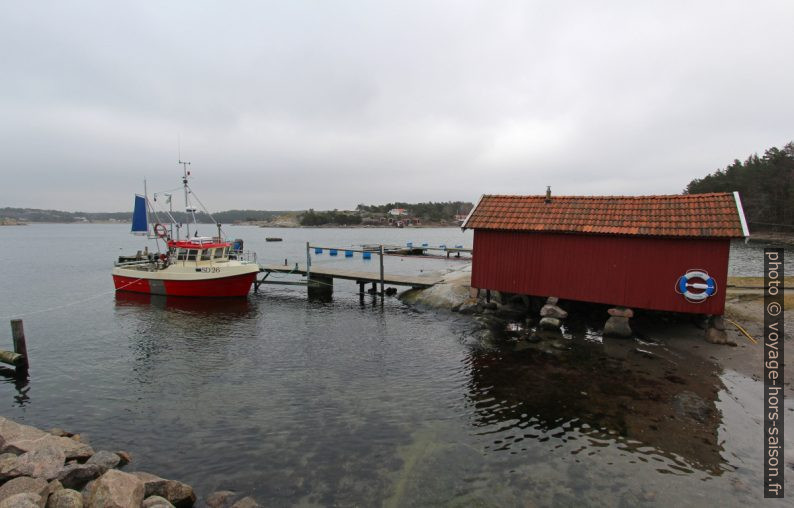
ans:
x=206 y=254
x=181 y=254
x=226 y=252
x=191 y=254
x=218 y=252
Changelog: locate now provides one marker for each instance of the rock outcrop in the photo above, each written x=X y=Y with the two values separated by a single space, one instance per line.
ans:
x=57 y=470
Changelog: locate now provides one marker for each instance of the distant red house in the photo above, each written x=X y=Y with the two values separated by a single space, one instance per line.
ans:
x=644 y=252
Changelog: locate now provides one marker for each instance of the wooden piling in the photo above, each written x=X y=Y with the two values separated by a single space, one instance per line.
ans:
x=20 y=346
x=382 y=284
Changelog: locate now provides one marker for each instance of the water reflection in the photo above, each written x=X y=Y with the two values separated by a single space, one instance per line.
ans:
x=21 y=385
x=199 y=306
x=643 y=400
x=185 y=333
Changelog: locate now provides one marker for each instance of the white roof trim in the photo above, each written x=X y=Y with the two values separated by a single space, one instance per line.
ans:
x=741 y=214
x=465 y=224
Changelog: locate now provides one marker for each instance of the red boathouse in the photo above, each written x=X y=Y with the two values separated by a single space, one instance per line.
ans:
x=645 y=252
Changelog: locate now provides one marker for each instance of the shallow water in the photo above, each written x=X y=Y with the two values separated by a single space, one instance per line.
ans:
x=300 y=402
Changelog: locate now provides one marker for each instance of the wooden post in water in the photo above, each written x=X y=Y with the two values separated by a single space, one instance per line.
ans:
x=308 y=263
x=382 y=292
x=20 y=346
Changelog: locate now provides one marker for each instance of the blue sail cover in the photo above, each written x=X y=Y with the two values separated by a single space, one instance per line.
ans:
x=139 y=223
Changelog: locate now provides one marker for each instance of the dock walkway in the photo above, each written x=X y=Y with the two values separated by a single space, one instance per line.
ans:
x=361 y=278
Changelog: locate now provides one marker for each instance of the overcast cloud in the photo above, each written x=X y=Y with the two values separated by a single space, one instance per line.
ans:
x=326 y=104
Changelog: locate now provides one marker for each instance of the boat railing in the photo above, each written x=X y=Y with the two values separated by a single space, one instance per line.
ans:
x=141 y=262
x=243 y=256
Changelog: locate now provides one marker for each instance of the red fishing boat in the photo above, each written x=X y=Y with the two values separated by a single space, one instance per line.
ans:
x=192 y=266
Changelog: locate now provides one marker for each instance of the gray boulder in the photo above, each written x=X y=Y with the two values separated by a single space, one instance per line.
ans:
x=116 y=489
x=717 y=322
x=65 y=498
x=553 y=311
x=105 y=460
x=550 y=323
x=45 y=462
x=179 y=494
x=552 y=300
x=25 y=485
x=617 y=327
x=691 y=405
x=219 y=499
x=19 y=439
x=22 y=500
x=75 y=476
x=156 y=502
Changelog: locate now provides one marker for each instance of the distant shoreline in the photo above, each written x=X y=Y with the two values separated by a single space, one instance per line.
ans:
x=255 y=224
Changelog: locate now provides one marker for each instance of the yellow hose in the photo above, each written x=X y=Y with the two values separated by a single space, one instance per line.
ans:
x=737 y=325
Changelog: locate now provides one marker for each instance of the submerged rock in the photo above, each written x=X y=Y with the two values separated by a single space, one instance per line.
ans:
x=246 y=502
x=220 y=499
x=689 y=404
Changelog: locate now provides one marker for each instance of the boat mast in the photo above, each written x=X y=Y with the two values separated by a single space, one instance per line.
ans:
x=185 y=164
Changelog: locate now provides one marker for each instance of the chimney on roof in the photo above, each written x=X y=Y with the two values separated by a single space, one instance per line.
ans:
x=548 y=194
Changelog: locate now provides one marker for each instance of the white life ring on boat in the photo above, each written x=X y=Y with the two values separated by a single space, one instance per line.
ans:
x=160 y=230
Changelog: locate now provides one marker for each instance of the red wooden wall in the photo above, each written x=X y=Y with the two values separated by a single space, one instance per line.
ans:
x=636 y=272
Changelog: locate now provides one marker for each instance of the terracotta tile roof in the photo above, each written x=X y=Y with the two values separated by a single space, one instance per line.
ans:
x=688 y=215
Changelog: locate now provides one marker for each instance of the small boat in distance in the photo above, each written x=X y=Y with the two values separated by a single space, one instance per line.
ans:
x=272 y=239
x=195 y=265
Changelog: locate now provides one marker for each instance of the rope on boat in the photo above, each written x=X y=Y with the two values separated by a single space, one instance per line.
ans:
x=70 y=304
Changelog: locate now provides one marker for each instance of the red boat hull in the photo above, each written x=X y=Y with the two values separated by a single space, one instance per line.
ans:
x=238 y=285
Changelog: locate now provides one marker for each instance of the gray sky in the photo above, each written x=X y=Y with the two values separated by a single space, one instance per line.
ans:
x=326 y=104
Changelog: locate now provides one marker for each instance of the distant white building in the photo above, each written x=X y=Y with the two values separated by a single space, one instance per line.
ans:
x=398 y=211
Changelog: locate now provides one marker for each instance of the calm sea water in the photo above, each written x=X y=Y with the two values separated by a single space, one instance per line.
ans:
x=300 y=402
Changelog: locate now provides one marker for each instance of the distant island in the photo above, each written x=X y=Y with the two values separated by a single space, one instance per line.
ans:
x=399 y=214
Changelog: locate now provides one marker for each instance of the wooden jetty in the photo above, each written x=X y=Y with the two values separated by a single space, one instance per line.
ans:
x=321 y=279
x=320 y=276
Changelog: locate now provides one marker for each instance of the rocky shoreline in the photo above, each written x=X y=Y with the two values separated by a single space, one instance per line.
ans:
x=58 y=469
